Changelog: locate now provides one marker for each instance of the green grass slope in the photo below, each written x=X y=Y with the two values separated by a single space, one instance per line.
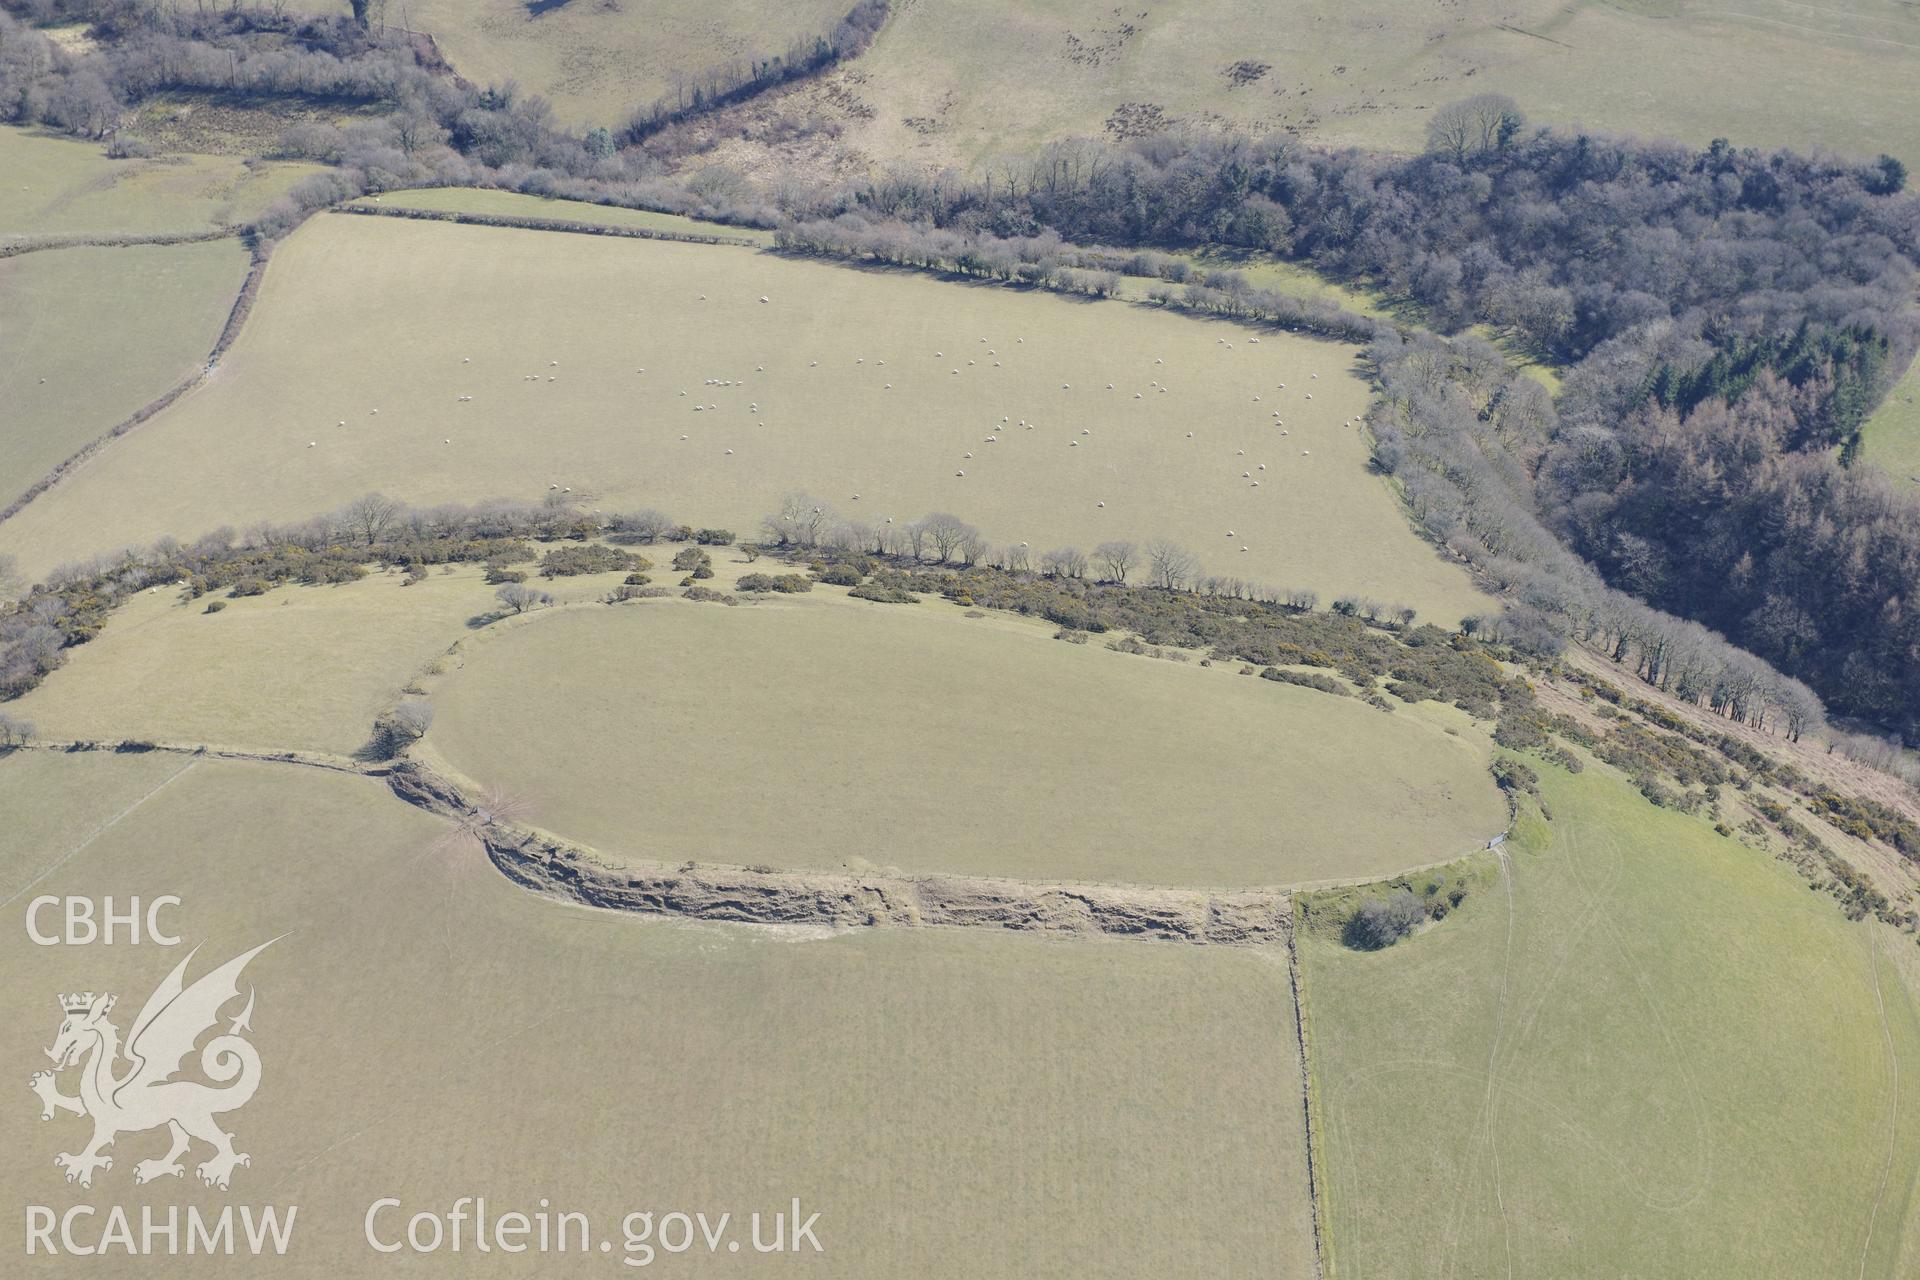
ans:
x=1890 y=439
x=969 y=84
x=1660 y=1056
x=89 y=335
x=598 y=60
x=56 y=186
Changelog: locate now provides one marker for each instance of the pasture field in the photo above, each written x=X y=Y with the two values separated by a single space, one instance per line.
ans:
x=61 y=187
x=831 y=733
x=512 y=204
x=75 y=359
x=955 y=84
x=599 y=60
x=951 y=1103
x=1613 y=1067
x=1891 y=437
x=587 y=363
x=302 y=668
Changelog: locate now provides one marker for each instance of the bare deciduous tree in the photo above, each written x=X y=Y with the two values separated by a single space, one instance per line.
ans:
x=1171 y=564
x=947 y=534
x=799 y=521
x=1484 y=122
x=520 y=597
x=369 y=518
x=1115 y=559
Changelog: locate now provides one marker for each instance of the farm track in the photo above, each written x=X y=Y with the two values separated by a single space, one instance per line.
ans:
x=236 y=320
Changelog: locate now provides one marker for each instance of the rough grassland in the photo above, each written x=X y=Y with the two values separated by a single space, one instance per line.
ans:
x=1668 y=1059
x=952 y=1104
x=368 y=322
x=75 y=358
x=59 y=186
x=512 y=204
x=306 y=668
x=831 y=733
x=598 y=60
x=953 y=83
x=1891 y=437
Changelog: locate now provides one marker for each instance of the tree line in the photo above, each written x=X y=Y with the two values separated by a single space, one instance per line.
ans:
x=723 y=84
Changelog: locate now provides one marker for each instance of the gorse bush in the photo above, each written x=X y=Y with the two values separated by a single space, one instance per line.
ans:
x=785 y=583
x=1381 y=922
x=568 y=562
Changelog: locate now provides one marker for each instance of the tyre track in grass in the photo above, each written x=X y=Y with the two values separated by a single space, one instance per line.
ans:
x=1893 y=1104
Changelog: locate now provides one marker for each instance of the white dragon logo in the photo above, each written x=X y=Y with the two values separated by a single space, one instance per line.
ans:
x=145 y=1096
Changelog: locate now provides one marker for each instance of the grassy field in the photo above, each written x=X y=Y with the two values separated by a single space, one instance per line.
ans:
x=1891 y=437
x=168 y=671
x=61 y=186
x=512 y=204
x=598 y=60
x=75 y=359
x=1633 y=1065
x=1264 y=271
x=557 y=330
x=946 y=83
x=828 y=732
x=953 y=1104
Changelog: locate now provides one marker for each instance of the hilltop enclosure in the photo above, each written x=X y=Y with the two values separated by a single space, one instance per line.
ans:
x=826 y=733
